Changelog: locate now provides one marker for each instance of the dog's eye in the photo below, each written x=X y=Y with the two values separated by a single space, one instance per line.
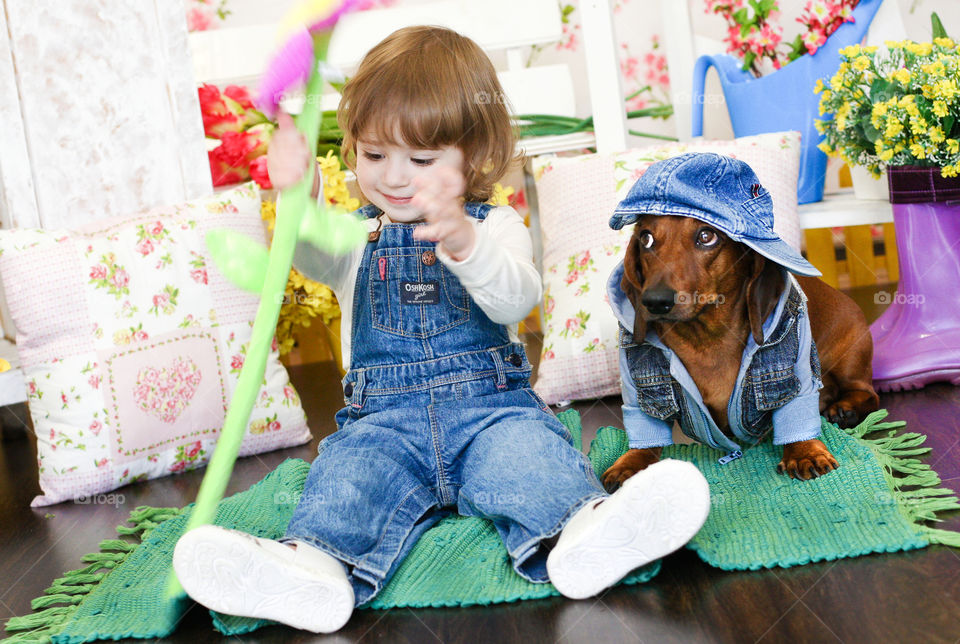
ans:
x=646 y=239
x=707 y=237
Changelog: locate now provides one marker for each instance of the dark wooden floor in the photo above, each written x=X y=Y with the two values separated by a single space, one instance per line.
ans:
x=900 y=597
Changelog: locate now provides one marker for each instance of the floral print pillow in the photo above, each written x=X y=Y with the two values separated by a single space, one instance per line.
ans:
x=577 y=196
x=132 y=343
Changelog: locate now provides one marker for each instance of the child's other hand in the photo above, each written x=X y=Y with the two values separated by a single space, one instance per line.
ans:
x=438 y=197
x=288 y=157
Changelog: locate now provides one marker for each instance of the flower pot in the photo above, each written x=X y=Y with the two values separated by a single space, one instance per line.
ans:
x=783 y=100
x=866 y=186
x=917 y=339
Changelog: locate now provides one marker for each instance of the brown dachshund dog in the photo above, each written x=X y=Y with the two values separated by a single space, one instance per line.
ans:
x=709 y=334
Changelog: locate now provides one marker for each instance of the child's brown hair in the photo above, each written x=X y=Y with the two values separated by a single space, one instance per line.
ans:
x=434 y=87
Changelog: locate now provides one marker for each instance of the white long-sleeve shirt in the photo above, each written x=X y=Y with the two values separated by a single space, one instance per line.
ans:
x=499 y=273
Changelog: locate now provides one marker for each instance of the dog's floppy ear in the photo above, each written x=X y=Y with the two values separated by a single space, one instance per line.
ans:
x=632 y=285
x=763 y=292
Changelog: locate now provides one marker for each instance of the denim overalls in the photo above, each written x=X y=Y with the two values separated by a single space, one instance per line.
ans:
x=439 y=417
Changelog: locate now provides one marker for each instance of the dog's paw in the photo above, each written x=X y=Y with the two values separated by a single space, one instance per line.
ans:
x=806 y=460
x=632 y=461
x=841 y=415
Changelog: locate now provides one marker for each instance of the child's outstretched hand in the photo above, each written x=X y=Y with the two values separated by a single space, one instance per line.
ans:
x=438 y=197
x=288 y=157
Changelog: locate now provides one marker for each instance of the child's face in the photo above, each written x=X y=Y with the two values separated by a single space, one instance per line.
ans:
x=385 y=173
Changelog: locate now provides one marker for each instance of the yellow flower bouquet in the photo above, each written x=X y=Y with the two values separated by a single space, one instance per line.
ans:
x=898 y=106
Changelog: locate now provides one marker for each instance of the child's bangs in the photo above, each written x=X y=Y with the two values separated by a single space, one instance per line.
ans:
x=417 y=116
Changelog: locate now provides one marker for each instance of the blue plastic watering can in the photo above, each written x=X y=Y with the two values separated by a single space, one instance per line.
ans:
x=784 y=100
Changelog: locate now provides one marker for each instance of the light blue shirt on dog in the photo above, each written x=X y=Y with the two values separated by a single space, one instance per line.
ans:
x=657 y=389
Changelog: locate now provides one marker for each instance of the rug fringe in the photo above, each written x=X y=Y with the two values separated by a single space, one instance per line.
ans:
x=916 y=491
x=873 y=423
x=943 y=537
x=60 y=600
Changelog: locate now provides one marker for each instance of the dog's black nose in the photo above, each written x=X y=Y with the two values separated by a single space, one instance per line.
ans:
x=659 y=301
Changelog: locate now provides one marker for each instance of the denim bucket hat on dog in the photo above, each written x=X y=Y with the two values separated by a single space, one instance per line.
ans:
x=718 y=190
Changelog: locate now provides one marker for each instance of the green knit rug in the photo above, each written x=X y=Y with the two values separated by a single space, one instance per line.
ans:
x=879 y=500
x=459 y=562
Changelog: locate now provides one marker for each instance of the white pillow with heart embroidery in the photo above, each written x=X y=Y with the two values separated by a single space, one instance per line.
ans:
x=131 y=345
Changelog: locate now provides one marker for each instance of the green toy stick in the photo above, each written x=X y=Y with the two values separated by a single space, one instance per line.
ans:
x=251 y=267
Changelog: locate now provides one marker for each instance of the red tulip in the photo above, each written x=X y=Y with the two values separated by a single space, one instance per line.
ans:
x=258 y=172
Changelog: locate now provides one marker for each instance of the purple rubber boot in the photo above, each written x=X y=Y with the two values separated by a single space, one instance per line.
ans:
x=917 y=340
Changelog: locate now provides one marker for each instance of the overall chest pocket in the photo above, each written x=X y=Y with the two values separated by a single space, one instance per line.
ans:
x=412 y=294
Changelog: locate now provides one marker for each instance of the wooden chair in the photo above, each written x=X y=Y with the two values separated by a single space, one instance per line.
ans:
x=817 y=219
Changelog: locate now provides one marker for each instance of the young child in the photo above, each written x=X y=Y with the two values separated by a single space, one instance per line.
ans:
x=439 y=414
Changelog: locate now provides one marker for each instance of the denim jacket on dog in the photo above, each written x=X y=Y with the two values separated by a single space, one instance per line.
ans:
x=777 y=385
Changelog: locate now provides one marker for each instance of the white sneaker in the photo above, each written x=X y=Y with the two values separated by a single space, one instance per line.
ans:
x=653 y=513
x=239 y=574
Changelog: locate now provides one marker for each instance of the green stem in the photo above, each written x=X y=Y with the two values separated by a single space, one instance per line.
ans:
x=647 y=135
x=637 y=93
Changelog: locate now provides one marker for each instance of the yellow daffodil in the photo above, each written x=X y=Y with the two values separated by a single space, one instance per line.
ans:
x=918 y=151
x=902 y=75
x=953 y=146
x=841 y=116
x=501 y=196
x=940 y=108
x=850 y=51
x=936 y=68
x=861 y=63
x=946 y=88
